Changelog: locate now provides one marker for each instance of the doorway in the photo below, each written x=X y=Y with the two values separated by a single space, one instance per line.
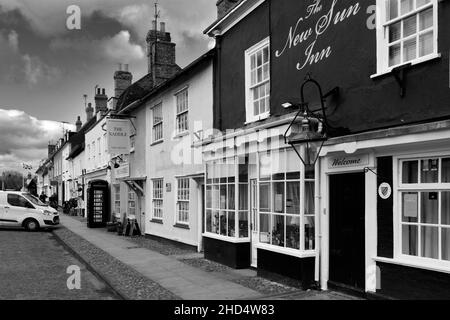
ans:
x=347 y=231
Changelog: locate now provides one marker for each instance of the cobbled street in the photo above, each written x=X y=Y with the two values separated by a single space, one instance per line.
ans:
x=33 y=265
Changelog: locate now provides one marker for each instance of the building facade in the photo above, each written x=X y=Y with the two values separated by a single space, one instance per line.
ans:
x=371 y=214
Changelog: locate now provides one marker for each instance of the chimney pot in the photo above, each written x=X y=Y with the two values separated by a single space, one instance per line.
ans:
x=104 y=91
x=162 y=27
x=154 y=25
x=126 y=67
x=120 y=67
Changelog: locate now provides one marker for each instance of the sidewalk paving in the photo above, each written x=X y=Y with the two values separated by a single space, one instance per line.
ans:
x=161 y=271
x=181 y=279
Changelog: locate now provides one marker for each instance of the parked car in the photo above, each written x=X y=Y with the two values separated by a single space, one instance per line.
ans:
x=21 y=209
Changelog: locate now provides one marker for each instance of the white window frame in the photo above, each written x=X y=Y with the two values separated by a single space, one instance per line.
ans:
x=156 y=199
x=183 y=112
x=250 y=117
x=399 y=188
x=383 y=36
x=131 y=200
x=117 y=198
x=182 y=216
x=157 y=125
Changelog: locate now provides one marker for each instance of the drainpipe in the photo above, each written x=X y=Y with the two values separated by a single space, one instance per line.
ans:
x=317 y=204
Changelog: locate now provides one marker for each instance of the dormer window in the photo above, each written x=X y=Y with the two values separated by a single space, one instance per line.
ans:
x=257 y=80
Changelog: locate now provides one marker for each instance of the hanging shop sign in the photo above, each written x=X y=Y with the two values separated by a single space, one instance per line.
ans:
x=123 y=171
x=385 y=191
x=118 y=136
x=348 y=161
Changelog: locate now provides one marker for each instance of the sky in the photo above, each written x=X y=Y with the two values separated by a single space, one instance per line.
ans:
x=45 y=68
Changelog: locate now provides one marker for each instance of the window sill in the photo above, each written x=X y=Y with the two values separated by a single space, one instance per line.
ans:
x=158 y=221
x=286 y=251
x=437 y=267
x=182 y=226
x=264 y=116
x=181 y=135
x=224 y=238
x=156 y=142
x=413 y=63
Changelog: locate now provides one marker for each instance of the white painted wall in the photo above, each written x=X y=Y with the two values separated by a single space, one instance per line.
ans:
x=175 y=157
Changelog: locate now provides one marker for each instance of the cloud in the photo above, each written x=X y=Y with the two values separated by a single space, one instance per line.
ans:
x=19 y=68
x=24 y=139
x=119 y=48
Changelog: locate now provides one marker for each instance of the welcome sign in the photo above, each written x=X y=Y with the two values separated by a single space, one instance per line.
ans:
x=348 y=161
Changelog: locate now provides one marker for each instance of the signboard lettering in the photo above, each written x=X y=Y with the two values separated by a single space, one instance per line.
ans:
x=344 y=161
x=118 y=136
x=311 y=34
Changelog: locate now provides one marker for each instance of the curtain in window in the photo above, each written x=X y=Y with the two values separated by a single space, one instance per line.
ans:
x=293 y=198
x=446 y=170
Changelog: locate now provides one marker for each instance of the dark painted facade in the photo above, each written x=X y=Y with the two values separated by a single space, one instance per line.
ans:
x=364 y=103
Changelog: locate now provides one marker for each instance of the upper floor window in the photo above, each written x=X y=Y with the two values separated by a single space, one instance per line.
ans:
x=182 y=111
x=157 y=122
x=409 y=32
x=257 y=79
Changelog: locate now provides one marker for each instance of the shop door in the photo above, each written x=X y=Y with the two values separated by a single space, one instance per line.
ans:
x=347 y=230
x=254 y=221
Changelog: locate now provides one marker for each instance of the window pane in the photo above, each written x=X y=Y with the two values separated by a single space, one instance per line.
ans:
x=394 y=32
x=430 y=244
x=409 y=240
x=421 y=3
x=231 y=224
x=445 y=208
x=406 y=6
x=216 y=197
x=309 y=233
x=231 y=197
x=209 y=221
x=392 y=9
x=278 y=197
x=309 y=198
x=426 y=45
x=429 y=171
x=293 y=198
x=215 y=222
x=208 y=197
x=264 y=197
x=292 y=232
x=410 y=204
x=243 y=196
x=446 y=244
x=243 y=224
x=293 y=164
x=446 y=170
x=409 y=172
x=264 y=228
x=409 y=50
x=394 y=55
x=223 y=197
x=426 y=19
x=278 y=230
x=429 y=207
x=409 y=26
x=223 y=223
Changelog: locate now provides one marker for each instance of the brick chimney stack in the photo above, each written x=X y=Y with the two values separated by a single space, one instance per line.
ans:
x=51 y=149
x=78 y=124
x=160 y=54
x=223 y=6
x=101 y=101
x=122 y=80
x=89 y=112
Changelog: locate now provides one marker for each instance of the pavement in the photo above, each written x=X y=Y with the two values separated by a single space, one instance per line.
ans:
x=170 y=275
x=34 y=267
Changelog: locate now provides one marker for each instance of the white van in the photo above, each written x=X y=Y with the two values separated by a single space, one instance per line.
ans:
x=21 y=209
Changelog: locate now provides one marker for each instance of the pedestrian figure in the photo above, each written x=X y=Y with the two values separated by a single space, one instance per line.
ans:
x=43 y=197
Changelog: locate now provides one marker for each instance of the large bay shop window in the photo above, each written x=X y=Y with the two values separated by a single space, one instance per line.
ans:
x=286 y=202
x=227 y=198
x=424 y=199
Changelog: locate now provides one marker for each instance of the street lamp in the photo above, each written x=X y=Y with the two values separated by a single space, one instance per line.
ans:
x=308 y=129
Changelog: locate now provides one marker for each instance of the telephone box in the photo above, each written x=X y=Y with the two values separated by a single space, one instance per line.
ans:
x=97 y=204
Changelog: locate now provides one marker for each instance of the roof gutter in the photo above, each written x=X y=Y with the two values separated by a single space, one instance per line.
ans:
x=214 y=26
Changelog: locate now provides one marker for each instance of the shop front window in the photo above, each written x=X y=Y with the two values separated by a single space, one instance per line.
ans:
x=283 y=218
x=424 y=195
x=226 y=200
